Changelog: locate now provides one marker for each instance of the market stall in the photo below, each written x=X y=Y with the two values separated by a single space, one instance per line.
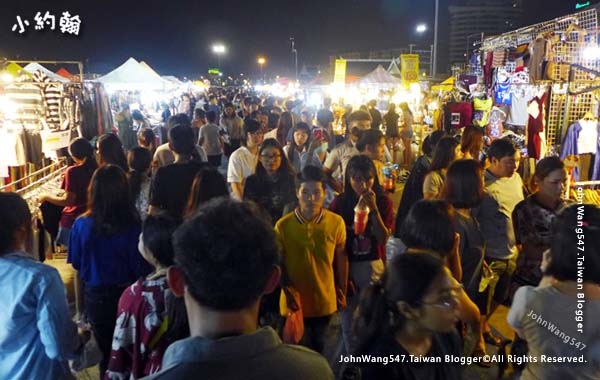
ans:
x=40 y=112
x=539 y=85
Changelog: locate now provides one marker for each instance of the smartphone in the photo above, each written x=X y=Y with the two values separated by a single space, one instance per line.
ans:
x=317 y=133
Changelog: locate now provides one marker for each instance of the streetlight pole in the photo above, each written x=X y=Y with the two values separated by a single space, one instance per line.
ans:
x=435 y=38
x=295 y=52
x=261 y=62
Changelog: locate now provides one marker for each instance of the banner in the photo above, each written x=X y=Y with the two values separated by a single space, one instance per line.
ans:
x=409 y=68
x=339 y=75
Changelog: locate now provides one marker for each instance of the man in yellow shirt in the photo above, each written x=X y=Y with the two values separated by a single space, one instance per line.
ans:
x=314 y=259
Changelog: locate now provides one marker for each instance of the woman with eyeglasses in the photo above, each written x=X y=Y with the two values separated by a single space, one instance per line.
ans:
x=412 y=310
x=272 y=185
x=437 y=218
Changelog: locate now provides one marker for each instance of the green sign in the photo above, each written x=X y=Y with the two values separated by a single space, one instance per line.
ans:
x=213 y=71
x=582 y=5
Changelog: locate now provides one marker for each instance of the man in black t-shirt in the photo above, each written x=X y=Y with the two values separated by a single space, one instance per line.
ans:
x=170 y=188
x=375 y=114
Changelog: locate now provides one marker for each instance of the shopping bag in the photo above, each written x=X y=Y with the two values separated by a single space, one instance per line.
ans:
x=89 y=356
x=293 y=330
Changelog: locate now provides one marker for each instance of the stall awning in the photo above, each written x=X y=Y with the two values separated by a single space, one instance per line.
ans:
x=446 y=85
x=379 y=77
x=34 y=66
x=132 y=76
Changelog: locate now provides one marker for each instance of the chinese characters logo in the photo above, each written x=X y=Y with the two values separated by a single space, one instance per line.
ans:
x=67 y=24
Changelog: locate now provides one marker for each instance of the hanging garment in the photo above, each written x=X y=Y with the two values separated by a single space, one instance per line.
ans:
x=536 y=139
x=570 y=147
x=32 y=146
x=502 y=94
x=517 y=113
x=481 y=112
x=496 y=123
x=457 y=115
x=29 y=103
x=537 y=52
x=499 y=58
x=52 y=94
x=487 y=69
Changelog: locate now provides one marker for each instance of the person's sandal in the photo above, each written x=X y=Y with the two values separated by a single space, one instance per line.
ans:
x=482 y=362
x=492 y=339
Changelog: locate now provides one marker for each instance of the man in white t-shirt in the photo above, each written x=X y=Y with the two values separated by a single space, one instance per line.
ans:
x=211 y=140
x=337 y=159
x=242 y=162
x=164 y=156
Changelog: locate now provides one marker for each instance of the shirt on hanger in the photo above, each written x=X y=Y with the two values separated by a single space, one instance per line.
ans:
x=517 y=114
x=587 y=139
x=482 y=109
x=458 y=115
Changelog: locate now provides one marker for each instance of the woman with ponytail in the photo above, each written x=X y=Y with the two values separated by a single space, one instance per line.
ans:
x=410 y=311
x=75 y=184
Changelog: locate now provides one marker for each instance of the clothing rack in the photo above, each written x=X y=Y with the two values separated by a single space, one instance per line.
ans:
x=586 y=183
x=53 y=170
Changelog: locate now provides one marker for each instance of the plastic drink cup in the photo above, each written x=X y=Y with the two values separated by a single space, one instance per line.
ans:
x=388 y=184
x=361 y=216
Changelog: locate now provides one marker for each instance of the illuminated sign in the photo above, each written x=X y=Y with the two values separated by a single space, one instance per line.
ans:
x=214 y=71
x=582 y=5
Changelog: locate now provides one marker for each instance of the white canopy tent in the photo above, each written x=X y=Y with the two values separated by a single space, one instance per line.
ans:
x=34 y=66
x=380 y=78
x=132 y=75
x=393 y=69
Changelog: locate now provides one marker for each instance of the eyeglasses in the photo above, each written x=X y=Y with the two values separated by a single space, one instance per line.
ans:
x=447 y=303
x=272 y=157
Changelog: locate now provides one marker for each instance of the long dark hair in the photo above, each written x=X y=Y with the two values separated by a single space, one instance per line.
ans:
x=407 y=278
x=208 y=184
x=463 y=186
x=363 y=165
x=286 y=122
x=430 y=225
x=81 y=149
x=284 y=171
x=157 y=237
x=443 y=155
x=293 y=151
x=109 y=201
x=139 y=160
x=111 y=151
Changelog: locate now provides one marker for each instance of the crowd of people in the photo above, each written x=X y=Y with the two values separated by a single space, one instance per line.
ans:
x=185 y=269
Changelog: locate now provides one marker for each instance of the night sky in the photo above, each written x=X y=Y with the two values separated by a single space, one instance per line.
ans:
x=175 y=36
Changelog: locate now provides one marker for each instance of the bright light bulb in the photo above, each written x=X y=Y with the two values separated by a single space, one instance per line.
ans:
x=421 y=28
